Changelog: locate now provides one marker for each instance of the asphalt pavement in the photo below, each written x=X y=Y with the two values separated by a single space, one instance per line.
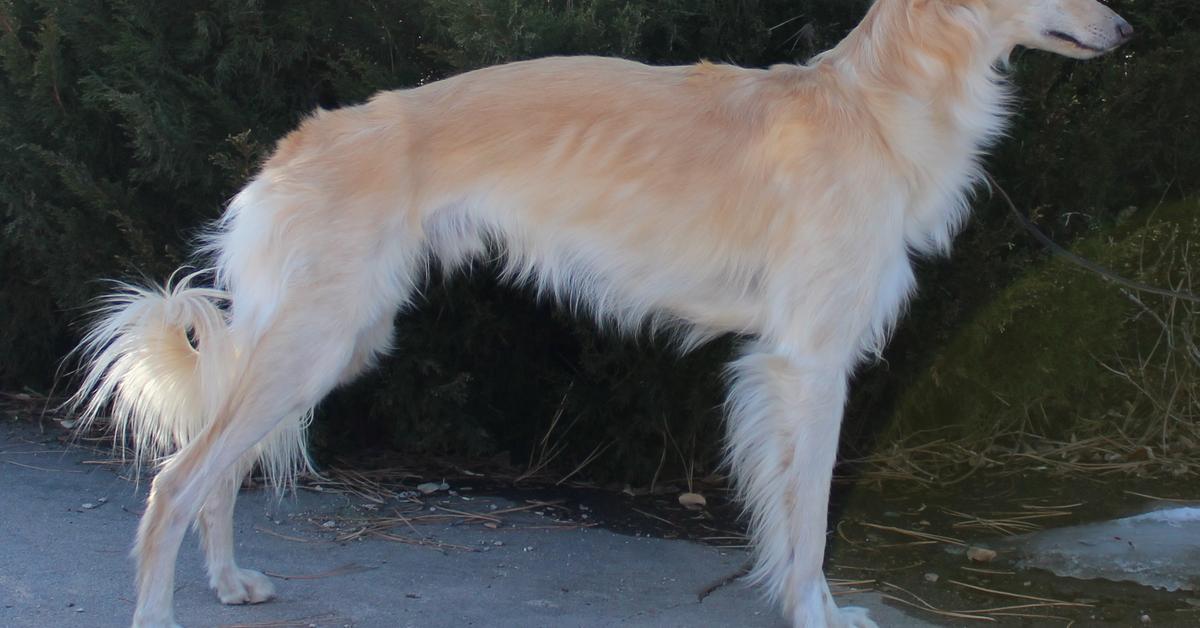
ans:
x=67 y=522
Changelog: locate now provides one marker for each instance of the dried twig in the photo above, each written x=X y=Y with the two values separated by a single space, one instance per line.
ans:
x=348 y=568
x=917 y=534
x=712 y=588
x=1020 y=596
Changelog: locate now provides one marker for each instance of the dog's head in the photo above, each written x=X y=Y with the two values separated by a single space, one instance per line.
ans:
x=1081 y=29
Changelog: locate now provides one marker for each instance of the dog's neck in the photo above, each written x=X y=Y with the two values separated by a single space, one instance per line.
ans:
x=927 y=73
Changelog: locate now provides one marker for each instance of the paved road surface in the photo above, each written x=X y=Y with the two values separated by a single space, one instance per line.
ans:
x=64 y=565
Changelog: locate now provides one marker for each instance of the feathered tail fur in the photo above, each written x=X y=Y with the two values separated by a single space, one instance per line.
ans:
x=158 y=363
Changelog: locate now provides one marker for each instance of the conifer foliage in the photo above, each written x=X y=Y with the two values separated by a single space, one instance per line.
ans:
x=126 y=124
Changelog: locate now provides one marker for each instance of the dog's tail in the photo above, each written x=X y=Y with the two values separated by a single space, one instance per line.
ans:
x=159 y=363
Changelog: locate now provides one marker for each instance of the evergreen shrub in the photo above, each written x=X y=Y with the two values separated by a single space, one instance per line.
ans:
x=125 y=125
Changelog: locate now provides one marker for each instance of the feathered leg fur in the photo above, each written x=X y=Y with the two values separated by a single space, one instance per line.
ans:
x=785 y=413
x=281 y=378
x=232 y=584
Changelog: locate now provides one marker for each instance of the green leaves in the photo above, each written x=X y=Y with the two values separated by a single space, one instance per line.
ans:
x=126 y=124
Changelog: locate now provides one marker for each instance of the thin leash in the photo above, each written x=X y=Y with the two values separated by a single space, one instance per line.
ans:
x=1083 y=262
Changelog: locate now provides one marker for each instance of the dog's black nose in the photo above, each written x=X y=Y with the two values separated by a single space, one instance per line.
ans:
x=1124 y=29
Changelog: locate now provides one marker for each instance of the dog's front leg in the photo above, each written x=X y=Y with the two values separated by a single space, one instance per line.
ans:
x=785 y=415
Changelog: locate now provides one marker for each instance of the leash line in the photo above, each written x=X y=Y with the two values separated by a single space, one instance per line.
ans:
x=1080 y=261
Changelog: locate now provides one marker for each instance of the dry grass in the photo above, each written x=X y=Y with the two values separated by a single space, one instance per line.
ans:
x=553 y=443
x=1157 y=433
x=416 y=512
x=923 y=536
x=377 y=486
x=1097 y=449
x=1023 y=608
x=1008 y=523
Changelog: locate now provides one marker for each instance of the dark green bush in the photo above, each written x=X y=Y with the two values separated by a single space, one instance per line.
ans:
x=124 y=125
x=1059 y=346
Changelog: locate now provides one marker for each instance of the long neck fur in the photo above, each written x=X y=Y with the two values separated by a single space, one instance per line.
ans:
x=928 y=71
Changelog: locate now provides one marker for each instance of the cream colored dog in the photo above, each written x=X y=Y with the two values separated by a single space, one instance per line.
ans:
x=782 y=203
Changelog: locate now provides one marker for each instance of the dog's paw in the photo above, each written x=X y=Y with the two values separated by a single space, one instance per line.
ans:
x=244 y=586
x=854 y=617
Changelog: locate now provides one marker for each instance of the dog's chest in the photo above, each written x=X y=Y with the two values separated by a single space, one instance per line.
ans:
x=937 y=159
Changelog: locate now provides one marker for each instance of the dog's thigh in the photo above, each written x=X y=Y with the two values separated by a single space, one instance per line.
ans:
x=374 y=341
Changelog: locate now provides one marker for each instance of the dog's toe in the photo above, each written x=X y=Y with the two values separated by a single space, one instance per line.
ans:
x=245 y=586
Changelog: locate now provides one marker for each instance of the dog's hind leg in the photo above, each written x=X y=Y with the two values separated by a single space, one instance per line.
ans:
x=298 y=358
x=233 y=584
x=785 y=415
x=371 y=343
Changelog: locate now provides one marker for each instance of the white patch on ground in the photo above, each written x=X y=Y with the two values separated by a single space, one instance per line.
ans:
x=1159 y=549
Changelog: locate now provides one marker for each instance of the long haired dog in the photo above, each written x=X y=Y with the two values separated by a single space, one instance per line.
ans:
x=782 y=204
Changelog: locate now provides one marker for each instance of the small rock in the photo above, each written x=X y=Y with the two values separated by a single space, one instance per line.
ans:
x=1145 y=618
x=329 y=524
x=692 y=501
x=981 y=554
x=931 y=577
x=88 y=506
x=498 y=543
x=430 y=488
x=528 y=548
